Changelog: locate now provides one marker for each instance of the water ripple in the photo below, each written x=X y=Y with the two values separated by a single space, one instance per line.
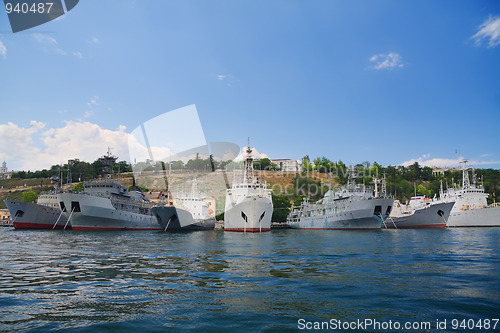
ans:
x=88 y=281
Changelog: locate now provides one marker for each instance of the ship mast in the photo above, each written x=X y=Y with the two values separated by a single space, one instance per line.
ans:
x=107 y=163
x=474 y=177
x=194 y=187
x=384 y=187
x=465 y=176
x=351 y=179
x=249 y=176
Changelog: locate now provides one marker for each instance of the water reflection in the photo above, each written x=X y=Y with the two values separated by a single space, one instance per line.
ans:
x=156 y=280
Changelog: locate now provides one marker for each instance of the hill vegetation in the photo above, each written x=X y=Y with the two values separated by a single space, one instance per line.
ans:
x=403 y=182
x=289 y=188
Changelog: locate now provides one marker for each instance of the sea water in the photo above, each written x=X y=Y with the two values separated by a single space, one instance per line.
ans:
x=282 y=280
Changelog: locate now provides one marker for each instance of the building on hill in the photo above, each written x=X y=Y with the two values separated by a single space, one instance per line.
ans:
x=438 y=171
x=4 y=172
x=288 y=165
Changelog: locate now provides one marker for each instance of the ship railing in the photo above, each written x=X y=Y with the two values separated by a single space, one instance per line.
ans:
x=133 y=203
x=53 y=192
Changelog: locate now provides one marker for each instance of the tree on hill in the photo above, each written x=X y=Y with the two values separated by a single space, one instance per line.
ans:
x=281 y=204
x=306 y=163
x=78 y=187
x=30 y=196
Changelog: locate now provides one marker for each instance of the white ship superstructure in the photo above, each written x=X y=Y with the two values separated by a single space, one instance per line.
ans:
x=471 y=208
x=249 y=204
x=107 y=205
x=354 y=206
x=189 y=212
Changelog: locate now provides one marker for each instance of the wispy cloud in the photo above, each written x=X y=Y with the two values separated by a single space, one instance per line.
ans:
x=386 y=61
x=489 y=29
x=223 y=77
x=426 y=160
x=88 y=114
x=3 y=50
x=49 y=43
x=44 y=39
x=93 y=101
x=94 y=40
x=229 y=79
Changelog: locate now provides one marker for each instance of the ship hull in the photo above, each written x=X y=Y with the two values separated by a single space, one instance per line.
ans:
x=432 y=216
x=28 y=215
x=171 y=218
x=252 y=214
x=97 y=213
x=483 y=217
x=360 y=215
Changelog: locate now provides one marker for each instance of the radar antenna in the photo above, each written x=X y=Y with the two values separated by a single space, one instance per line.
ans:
x=465 y=175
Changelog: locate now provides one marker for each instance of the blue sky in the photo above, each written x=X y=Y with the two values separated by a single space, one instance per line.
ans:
x=385 y=81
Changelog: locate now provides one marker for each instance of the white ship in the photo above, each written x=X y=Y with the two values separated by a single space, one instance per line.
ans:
x=471 y=208
x=189 y=212
x=353 y=207
x=421 y=212
x=249 y=204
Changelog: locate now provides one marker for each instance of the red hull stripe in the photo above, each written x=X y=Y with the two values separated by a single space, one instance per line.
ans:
x=112 y=229
x=423 y=226
x=27 y=225
x=338 y=228
x=247 y=229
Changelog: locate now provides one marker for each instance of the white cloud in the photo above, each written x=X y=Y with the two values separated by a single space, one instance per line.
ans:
x=88 y=114
x=224 y=76
x=3 y=50
x=94 y=40
x=31 y=148
x=255 y=155
x=489 y=29
x=83 y=140
x=425 y=160
x=93 y=101
x=16 y=143
x=49 y=44
x=229 y=79
x=78 y=55
x=44 y=39
x=386 y=61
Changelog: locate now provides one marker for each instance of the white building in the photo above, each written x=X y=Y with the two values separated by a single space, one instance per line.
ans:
x=4 y=172
x=438 y=171
x=288 y=165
